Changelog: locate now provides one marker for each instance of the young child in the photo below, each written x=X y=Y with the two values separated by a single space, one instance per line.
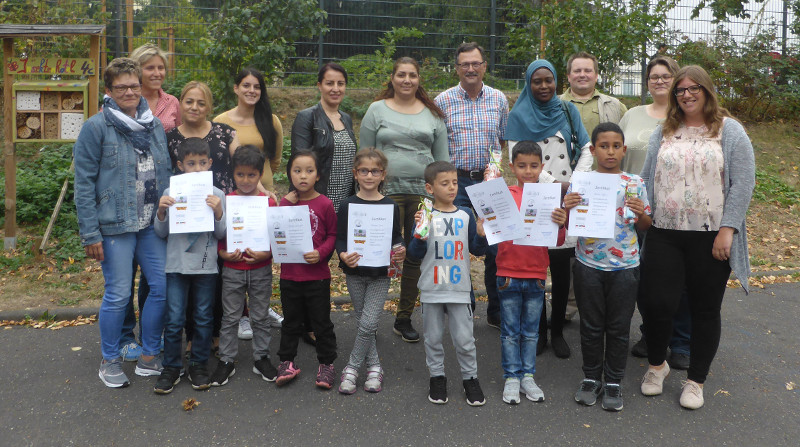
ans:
x=445 y=282
x=368 y=286
x=191 y=264
x=607 y=276
x=306 y=288
x=521 y=274
x=245 y=274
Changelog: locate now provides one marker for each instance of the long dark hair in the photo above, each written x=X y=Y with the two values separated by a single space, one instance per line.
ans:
x=421 y=94
x=263 y=111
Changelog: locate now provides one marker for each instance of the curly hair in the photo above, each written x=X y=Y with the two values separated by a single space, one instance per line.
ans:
x=421 y=94
x=713 y=113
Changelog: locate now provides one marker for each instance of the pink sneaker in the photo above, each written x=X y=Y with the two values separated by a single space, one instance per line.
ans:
x=325 y=376
x=287 y=371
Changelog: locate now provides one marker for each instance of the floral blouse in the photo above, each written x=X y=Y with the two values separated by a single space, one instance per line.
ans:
x=219 y=139
x=688 y=181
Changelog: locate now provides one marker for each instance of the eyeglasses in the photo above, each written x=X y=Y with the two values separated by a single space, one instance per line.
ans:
x=364 y=172
x=655 y=78
x=693 y=89
x=474 y=65
x=135 y=88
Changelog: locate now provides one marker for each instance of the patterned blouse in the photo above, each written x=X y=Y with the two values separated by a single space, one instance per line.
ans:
x=219 y=138
x=688 y=181
x=340 y=180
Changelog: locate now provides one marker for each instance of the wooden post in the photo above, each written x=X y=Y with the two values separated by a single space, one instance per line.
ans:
x=10 y=241
x=171 y=49
x=102 y=63
x=94 y=82
x=129 y=20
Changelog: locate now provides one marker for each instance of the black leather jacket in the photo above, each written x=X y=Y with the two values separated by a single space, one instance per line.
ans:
x=313 y=130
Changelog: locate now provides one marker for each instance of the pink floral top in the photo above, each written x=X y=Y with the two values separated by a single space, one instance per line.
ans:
x=688 y=181
x=167 y=110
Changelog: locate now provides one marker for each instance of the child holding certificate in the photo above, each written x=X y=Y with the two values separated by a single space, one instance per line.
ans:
x=191 y=265
x=306 y=288
x=368 y=285
x=445 y=284
x=245 y=274
x=521 y=273
x=607 y=276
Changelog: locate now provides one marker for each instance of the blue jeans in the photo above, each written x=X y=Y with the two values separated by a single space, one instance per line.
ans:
x=521 y=302
x=178 y=286
x=489 y=264
x=150 y=251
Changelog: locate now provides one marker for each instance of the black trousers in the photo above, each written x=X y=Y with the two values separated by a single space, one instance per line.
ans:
x=560 y=278
x=307 y=298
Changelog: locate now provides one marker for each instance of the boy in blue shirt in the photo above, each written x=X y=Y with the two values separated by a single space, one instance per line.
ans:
x=444 y=282
x=607 y=276
x=191 y=265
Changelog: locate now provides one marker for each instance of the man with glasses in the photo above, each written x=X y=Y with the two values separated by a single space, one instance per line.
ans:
x=476 y=117
x=594 y=107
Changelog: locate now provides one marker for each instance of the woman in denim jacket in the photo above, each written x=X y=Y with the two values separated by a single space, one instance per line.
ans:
x=121 y=169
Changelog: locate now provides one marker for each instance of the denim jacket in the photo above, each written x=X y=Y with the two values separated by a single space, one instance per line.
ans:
x=105 y=178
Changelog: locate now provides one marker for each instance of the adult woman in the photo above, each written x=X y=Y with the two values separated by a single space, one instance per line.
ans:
x=539 y=115
x=638 y=125
x=700 y=174
x=121 y=169
x=329 y=133
x=254 y=122
x=409 y=128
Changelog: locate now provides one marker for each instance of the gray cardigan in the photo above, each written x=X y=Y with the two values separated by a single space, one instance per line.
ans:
x=738 y=181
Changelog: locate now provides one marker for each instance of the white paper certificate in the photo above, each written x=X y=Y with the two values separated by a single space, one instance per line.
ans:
x=190 y=213
x=538 y=202
x=595 y=215
x=290 y=233
x=369 y=233
x=246 y=223
x=493 y=202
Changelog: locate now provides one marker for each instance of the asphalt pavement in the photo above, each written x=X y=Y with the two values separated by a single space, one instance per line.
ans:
x=51 y=395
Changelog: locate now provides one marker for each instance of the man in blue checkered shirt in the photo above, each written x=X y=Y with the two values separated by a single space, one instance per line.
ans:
x=476 y=117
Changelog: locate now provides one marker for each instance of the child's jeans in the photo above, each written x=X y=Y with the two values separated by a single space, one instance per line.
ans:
x=606 y=301
x=368 y=294
x=178 y=286
x=257 y=283
x=459 y=316
x=307 y=298
x=521 y=301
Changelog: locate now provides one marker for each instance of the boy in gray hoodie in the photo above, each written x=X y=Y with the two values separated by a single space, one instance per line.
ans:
x=191 y=266
x=445 y=284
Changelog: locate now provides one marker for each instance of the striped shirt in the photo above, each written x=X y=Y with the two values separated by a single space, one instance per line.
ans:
x=474 y=127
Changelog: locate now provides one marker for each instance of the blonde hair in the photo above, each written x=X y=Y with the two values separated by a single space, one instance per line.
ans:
x=713 y=113
x=203 y=88
x=143 y=53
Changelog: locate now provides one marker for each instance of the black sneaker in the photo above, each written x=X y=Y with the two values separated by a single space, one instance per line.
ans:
x=612 y=397
x=404 y=329
x=493 y=321
x=265 y=369
x=475 y=397
x=198 y=374
x=588 y=392
x=223 y=372
x=640 y=348
x=167 y=380
x=438 y=390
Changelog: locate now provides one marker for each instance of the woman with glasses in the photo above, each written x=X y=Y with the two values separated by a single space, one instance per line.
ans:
x=121 y=169
x=700 y=174
x=328 y=132
x=409 y=128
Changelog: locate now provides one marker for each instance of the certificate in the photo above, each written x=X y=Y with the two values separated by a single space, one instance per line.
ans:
x=493 y=203
x=290 y=233
x=595 y=216
x=246 y=223
x=191 y=213
x=369 y=233
x=538 y=202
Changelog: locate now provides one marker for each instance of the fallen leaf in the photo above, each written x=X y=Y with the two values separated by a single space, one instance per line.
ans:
x=587 y=425
x=190 y=404
x=791 y=386
x=723 y=392
x=76 y=348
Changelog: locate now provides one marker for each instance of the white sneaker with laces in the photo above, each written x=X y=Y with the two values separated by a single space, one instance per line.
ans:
x=245 y=331
x=277 y=319
x=653 y=380
x=692 y=395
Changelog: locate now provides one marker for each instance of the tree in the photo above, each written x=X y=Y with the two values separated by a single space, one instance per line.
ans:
x=259 y=34
x=613 y=31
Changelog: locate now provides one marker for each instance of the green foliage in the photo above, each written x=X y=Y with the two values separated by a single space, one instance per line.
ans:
x=188 y=25
x=612 y=31
x=351 y=108
x=259 y=34
x=286 y=152
x=304 y=75
x=771 y=188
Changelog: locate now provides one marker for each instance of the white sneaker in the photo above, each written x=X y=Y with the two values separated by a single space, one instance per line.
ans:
x=511 y=391
x=277 y=319
x=653 y=380
x=531 y=389
x=245 y=331
x=692 y=395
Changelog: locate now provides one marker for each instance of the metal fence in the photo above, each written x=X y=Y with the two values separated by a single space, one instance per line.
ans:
x=355 y=27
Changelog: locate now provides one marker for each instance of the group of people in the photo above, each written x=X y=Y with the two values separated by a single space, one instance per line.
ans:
x=686 y=178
